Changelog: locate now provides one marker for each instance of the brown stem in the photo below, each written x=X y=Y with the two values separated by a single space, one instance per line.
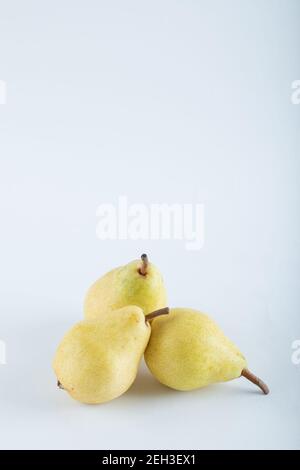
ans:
x=143 y=269
x=254 y=379
x=60 y=385
x=157 y=313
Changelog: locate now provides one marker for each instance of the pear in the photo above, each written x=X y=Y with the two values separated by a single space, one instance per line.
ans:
x=97 y=361
x=137 y=283
x=187 y=350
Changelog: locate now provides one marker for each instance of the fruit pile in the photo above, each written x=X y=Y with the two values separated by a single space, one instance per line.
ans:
x=126 y=316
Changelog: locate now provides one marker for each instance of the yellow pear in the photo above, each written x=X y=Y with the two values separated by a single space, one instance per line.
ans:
x=97 y=361
x=187 y=350
x=137 y=283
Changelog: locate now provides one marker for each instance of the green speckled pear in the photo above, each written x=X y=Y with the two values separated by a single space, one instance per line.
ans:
x=137 y=283
x=97 y=361
x=187 y=350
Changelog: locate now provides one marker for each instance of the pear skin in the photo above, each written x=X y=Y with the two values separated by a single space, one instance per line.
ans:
x=137 y=283
x=97 y=361
x=187 y=350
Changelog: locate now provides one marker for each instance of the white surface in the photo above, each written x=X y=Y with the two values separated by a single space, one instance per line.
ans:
x=169 y=102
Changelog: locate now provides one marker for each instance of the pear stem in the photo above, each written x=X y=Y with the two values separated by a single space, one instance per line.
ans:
x=144 y=266
x=60 y=385
x=255 y=380
x=157 y=313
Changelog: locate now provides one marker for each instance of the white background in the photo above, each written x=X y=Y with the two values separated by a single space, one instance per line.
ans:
x=163 y=102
